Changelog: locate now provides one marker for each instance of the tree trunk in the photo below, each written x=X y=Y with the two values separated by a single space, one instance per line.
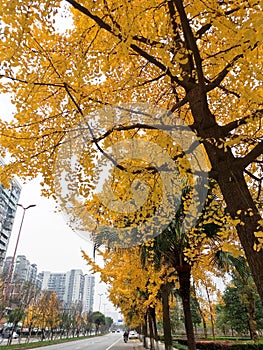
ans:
x=228 y=172
x=42 y=334
x=145 y=331
x=252 y=328
x=151 y=332
x=167 y=329
x=232 y=188
x=204 y=326
x=154 y=325
x=251 y=314
x=211 y=313
x=201 y=313
x=184 y=274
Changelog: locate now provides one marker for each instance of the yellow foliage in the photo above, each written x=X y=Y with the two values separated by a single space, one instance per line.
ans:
x=131 y=286
x=201 y=60
x=45 y=313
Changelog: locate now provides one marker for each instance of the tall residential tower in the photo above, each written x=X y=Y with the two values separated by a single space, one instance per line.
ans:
x=9 y=198
x=72 y=288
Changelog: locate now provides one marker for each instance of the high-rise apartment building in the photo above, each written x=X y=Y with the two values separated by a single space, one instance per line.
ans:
x=54 y=282
x=88 y=293
x=73 y=288
x=9 y=198
x=23 y=271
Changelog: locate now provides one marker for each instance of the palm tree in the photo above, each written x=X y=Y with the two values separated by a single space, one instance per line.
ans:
x=170 y=249
x=243 y=280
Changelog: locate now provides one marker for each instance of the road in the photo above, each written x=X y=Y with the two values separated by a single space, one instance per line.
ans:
x=112 y=341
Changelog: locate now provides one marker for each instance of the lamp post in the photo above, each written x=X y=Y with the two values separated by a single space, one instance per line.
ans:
x=104 y=304
x=13 y=257
x=100 y=295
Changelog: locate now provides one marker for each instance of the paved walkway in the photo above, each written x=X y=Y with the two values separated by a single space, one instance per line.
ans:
x=140 y=346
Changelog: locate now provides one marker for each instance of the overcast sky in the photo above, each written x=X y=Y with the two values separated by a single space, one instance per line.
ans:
x=46 y=239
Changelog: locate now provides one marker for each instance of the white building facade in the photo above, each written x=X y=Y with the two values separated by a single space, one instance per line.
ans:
x=72 y=288
x=9 y=198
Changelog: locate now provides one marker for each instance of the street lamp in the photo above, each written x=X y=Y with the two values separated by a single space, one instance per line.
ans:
x=104 y=304
x=100 y=295
x=13 y=257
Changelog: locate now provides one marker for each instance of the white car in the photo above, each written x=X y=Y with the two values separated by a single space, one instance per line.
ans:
x=133 y=335
x=6 y=335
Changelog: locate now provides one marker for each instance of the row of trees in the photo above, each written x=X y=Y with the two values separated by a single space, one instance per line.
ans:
x=201 y=63
x=227 y=316
x=236 y=311
x=43 y=315
x=171 y=265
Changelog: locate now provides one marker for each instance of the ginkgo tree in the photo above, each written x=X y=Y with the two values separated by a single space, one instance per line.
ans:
x=200 y=60
x=132 y=287
x=46 y=313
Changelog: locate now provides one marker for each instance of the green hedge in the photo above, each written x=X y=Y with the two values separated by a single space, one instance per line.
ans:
x=247 y=347
x=221 y=345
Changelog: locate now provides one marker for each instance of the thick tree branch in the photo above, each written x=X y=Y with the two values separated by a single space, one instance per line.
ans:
x=190 y=41
x=139 y=126
x=176 y=36
x=251 y=156
x=134 y=47
x=253 y=176
x=226 y=129
x=95 y=18
x=228 y=91
x=203 y=30
x=220 y=77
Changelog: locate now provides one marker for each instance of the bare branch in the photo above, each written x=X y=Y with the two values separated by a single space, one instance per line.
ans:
x=33 y=83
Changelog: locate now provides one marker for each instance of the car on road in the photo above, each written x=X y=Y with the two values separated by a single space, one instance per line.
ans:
x=133 y=335
x=7 y=333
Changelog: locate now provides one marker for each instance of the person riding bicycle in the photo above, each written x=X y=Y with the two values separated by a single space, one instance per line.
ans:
x=126 y=335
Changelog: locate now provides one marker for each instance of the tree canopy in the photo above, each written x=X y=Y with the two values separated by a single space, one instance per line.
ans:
x=201 y=61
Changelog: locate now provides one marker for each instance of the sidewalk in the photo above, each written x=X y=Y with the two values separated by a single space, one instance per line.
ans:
x=160 y=346
x=140 y=347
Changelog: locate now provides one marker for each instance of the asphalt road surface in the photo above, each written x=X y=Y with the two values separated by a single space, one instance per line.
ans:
x=112 y=341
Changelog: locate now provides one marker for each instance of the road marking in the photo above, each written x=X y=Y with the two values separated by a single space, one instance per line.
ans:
x=113 y=344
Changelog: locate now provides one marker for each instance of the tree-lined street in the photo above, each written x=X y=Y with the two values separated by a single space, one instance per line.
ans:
x=105 y=342
x=144 y=121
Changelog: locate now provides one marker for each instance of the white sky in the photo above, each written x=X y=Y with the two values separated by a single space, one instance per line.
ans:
x=46 y=239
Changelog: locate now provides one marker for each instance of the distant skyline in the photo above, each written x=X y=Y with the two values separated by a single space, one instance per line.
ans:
x=47 y=241
x=45 y=237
